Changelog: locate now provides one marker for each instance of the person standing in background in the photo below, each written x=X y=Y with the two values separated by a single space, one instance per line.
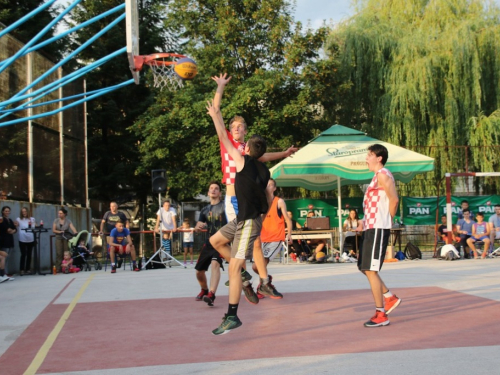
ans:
x=61 y=225
x=26 y=241
x=7 y=230
x=187 y=239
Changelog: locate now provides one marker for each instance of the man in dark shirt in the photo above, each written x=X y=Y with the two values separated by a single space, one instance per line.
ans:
x=442 y=231
x=111 y=217
x=109 y=221
x=212 y=218
x=253 y=198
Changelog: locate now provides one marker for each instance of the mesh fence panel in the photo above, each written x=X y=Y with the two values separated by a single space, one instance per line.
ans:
x=46 y=149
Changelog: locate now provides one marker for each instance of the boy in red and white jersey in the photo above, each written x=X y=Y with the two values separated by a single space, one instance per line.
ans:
x=380 y=205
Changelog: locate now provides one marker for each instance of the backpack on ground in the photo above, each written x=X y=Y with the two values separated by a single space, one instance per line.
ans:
x=412 y=251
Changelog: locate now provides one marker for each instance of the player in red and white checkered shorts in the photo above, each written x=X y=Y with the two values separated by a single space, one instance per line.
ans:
x=380 y=205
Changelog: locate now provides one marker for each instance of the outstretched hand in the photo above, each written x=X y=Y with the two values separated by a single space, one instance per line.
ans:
x=222 y=80
x=291 y=150
x=212 y=110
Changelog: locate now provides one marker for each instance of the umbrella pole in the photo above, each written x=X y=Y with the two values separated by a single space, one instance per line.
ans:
x=339 y=212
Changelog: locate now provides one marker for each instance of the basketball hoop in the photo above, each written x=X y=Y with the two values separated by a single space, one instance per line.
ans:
x=162 y=66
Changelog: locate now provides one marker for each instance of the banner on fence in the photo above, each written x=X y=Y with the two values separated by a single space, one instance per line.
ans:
x=422 y=211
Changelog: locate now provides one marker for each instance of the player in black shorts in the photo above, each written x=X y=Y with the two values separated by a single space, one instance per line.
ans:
x=380 y=205
x=212 y=218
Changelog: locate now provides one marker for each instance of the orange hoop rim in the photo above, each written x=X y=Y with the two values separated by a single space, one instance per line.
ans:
x=141 y=60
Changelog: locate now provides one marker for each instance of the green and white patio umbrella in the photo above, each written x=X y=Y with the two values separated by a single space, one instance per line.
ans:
x=337 y=158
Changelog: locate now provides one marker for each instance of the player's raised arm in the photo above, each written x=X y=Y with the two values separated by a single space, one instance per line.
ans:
x=222 y=80
x=222 y=134
x=270 y=156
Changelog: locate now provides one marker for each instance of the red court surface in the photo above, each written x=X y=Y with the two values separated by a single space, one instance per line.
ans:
x=178 y=330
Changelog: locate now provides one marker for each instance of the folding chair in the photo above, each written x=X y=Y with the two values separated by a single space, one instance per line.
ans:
x=123 y=257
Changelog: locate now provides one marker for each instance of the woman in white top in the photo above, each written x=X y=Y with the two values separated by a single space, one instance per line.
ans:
x=353 y=228
x=26 y=241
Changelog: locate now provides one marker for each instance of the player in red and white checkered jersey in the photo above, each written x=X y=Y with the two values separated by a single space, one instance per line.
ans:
x=380 y=205
x=237 y=132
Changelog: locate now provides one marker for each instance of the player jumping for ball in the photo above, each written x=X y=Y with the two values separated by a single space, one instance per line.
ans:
x=236 y=136
x=251 y=181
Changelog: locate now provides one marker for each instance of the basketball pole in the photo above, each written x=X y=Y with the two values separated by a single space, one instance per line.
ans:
x=161 y=251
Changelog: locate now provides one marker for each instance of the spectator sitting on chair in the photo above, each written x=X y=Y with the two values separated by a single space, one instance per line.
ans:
x=494 y=222
x=121 y=242
x=480 y=232
x=320 y=244
x=465 y=206
x=464 y=229
x=442 y=231
x=109 y=221
x=353 y=227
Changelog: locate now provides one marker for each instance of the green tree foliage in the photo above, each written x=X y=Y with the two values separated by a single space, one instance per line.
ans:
x=280 y=86
x=425 y=73
x=13 y=10
x=113 y=156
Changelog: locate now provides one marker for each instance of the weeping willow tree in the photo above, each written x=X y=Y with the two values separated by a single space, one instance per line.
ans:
x=425 y=73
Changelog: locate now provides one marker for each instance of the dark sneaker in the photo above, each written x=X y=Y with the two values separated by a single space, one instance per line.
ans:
x=270 y=291
x=245 y=276
x=391 y=303
x=113 y=269
x=378 y=320
x=209 y=299
x=120 y=261
x=200 y=296
x=228 y=324
x=258 y=287
x=250 y=295
x=136 y=269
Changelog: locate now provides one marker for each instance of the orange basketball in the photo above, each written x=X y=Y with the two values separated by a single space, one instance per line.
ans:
x=186 y=68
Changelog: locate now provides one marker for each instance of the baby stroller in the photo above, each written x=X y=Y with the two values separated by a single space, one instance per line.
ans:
x=79 y=245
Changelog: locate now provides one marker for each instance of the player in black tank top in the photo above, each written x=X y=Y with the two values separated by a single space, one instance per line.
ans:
x=250 y=186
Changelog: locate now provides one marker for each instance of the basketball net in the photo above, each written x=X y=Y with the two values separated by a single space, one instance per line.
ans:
x=162 y=67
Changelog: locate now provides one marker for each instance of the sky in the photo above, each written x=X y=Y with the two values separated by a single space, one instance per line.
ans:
x=315 y=11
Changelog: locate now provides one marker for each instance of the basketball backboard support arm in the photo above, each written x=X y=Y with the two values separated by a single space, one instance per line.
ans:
x=132 y=30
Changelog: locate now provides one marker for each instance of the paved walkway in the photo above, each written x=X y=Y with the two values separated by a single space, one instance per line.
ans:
x=99 y=323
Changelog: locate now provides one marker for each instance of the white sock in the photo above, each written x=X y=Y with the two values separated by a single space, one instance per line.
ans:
x=381 y=309
x=112 y=264
x=388 y=294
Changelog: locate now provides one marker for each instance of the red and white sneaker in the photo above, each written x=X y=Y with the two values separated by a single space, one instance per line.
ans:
x=209 y=299
x=378 y=320
x=391 y=303
x=202 y=294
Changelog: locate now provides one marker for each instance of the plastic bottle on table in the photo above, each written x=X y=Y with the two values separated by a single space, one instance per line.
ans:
x=54 y=271
x=41 y=223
